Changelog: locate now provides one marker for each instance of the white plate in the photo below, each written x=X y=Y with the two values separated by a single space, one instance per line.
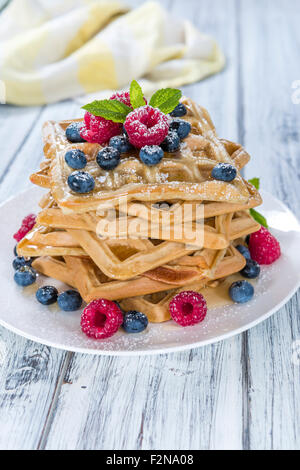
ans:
x=21 y=313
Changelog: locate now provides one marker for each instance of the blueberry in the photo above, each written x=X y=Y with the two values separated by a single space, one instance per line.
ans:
x=121 y=143
x=73 y=132
x=171 y=142
x=151 y=154
x=81 y=182
x=15 y=250
x=251 y=270
x=125 y=132
x=20 y=261
x=179 y=111
x=69 y=300
x=244 y=251
x=25 y=276
x=241 y=291
x=108 y=158
x=182 y=127
x=134 y=322
x=47 y=295
x=224 y=172
x=76 y=159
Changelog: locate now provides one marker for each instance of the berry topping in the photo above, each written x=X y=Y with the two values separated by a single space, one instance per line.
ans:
x=134 y=322
x=251 y=270
x=108 y=158
x=182 y=127
x=20 y=261
x=124 y=97
x=47 y=295
x=146 y=126
x=121 y=143
x=27 y=224
x=241 y=291
x=99 y=130
x=188 y=308
x=263 y=246
x=81 y=182
x=224 y=172
x=171 y=142
x=69 y=300
x=179 y=111
x=244 y=251
x=101 y=319
x=73 y=132
x=76 y=159
x=151 y=154
x=25 y=276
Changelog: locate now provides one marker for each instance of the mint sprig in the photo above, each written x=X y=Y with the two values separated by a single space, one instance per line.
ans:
x=256 y=215
x=166 y=99
x=255 y=182
x=136 y=95
x=113 y=110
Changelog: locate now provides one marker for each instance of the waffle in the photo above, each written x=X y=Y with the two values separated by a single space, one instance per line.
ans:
x=183 y=175
x=144 y=233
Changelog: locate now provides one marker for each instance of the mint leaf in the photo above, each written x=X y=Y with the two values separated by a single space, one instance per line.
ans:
x=113 y=110
x=259 y=218
x=166 y=99
x=255 y=182
x=136 y=95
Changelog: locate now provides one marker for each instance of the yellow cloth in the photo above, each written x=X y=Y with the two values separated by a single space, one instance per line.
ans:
x=52 y=49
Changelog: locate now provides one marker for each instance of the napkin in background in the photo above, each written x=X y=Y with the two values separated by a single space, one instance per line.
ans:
x=52 y=50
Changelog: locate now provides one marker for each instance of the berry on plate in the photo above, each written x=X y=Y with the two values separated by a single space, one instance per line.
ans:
x=146 y=126
x=101 y=319
x=188 y=308
x=47 y=295
x=121 y=143
x=76 y=159
x=171 y=142
x=179 y=111
x=81 y=182
x=151 y=154
x=69 y=300
x=182 y=127
x=224 y=172
x=27 y=224
x=263 y=246
x=96 y=129
x=241 y=291
x=25 y=275
x=73 y=132
x=108 y=158
x=20 y=261
x=251 y=270
x=244 y=251
x=124 y=97
x=134 y=322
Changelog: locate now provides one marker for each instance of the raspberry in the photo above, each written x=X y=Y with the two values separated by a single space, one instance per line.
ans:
x=98 y=130
x=263 y=246
x=146 y=126
x=27 y=224
x=123 y=97
x=188 y=308
x=101 y=319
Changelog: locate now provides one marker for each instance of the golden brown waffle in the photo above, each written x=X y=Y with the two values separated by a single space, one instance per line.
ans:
x=183 y=175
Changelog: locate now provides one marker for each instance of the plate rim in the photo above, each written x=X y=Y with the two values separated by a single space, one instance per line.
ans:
x=160 y=350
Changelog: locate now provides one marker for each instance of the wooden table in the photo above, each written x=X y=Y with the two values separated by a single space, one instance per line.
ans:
x=243 y=393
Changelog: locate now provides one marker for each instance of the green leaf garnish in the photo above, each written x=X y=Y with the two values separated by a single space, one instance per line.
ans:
x=259 y=218
x=166 y=99
x=136 y=95
x=112 y=110
x=255 y=182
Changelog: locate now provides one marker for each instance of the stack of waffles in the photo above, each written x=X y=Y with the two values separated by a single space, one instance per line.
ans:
x=144 y=233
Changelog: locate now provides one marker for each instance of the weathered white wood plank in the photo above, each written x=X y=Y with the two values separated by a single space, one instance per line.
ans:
x=29 y=376
x=269 y=35
x=178 y=401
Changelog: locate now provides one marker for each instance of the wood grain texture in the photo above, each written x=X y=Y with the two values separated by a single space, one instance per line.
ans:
x=240 y=393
